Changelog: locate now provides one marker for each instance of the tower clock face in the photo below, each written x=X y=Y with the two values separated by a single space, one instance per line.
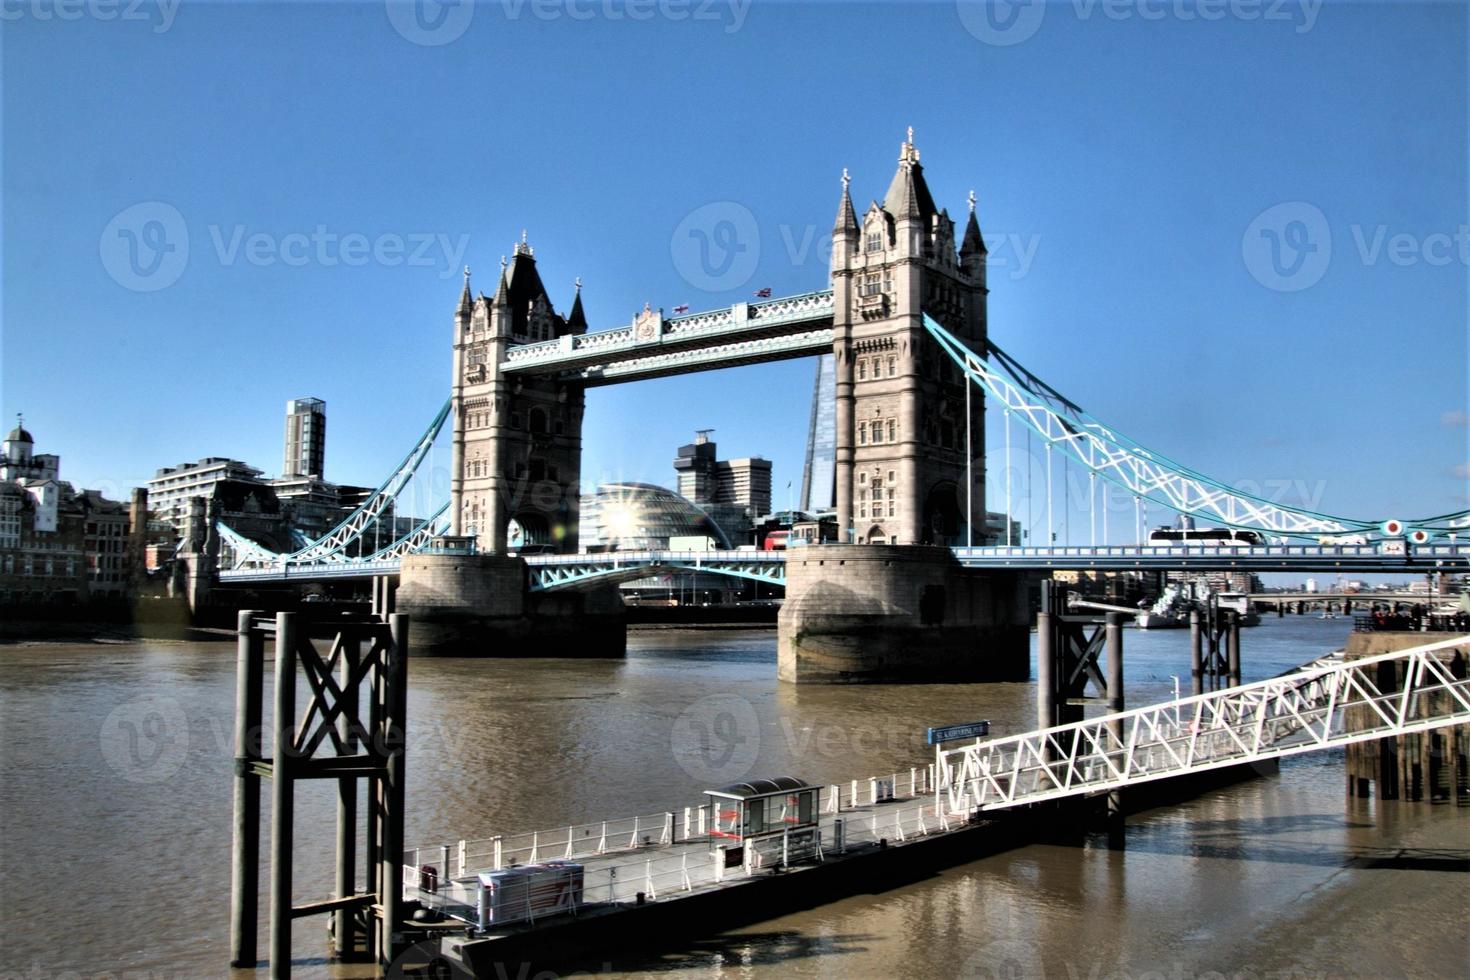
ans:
x=645 y=330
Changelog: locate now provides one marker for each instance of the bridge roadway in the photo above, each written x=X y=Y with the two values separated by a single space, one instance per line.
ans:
x=653 y=347
x=554 y=572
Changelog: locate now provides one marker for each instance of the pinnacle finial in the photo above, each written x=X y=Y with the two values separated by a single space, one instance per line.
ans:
x=910 y=140
x=845 y=179
x=523 y=236
x=467 y=275
x=578 y=282
x=502 y=263
x=972 y=202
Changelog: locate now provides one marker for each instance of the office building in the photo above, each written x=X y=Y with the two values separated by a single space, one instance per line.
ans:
x=306 y=438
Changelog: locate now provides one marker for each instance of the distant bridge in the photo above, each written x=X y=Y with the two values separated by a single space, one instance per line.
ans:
x=558 y=572
x=801 y=325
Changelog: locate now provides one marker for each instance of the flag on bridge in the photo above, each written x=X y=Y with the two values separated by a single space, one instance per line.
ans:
x=682 y=308
x=765 y=292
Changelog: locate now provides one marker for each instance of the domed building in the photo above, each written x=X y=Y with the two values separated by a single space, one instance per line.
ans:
x=642 y=517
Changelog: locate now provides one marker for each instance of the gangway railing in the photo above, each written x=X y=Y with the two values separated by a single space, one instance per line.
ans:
x=1320 y=707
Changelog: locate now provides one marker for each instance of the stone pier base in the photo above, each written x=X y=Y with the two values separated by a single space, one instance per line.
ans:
x=478 y=606
x=899 y=614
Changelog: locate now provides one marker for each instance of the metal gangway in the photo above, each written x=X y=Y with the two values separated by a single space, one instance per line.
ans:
x=1320 y=706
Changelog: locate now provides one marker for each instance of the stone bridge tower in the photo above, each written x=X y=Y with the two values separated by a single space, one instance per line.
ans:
x=901 y=406
x=516 y=469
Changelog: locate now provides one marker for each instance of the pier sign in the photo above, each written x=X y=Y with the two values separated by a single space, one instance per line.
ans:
x=953 y=733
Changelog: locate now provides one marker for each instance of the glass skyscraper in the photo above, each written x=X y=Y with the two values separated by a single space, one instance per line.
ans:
x=819 y=473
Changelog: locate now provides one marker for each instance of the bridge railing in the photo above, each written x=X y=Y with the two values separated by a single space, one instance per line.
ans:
x=1316 y=708
x=644 y=853
x=618 y=558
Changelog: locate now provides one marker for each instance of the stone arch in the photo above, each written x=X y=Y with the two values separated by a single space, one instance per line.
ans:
x=527 y=528
x=943 y=517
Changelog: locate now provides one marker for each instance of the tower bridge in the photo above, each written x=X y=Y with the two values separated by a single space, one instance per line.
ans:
x=904 y=316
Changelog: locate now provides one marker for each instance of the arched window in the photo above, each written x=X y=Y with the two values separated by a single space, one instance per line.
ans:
x=538 y=422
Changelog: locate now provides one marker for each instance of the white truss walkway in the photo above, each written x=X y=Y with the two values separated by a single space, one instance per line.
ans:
x=1321 y=706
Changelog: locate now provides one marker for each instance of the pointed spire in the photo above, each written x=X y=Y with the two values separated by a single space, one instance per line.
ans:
x=974 y=242
x=577 y=319
x=905 y=204
x=502 y=291
x=846 y=216
x=465 y=299
x=908 y=194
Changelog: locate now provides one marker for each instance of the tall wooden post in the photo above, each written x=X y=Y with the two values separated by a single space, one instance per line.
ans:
x=395 y=733
x=245 y=858
x=283 y=791
x=1196 y=655
x=344 y=929
x=1046 y=659
x=1232 y=623
x=1114 y=636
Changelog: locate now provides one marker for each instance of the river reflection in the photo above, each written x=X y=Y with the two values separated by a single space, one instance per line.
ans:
x=115 y=851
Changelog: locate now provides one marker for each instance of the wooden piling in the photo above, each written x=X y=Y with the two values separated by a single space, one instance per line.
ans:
x=245 y=857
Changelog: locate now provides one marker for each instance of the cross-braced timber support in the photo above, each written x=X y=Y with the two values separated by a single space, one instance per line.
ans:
x=352 y=728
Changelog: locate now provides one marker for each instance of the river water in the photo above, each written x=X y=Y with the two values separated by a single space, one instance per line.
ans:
x=115 y=802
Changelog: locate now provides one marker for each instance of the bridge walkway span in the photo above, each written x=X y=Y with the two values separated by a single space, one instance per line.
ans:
x=1321 y=706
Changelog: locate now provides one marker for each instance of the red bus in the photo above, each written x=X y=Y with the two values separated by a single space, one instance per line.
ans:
x=776 y=540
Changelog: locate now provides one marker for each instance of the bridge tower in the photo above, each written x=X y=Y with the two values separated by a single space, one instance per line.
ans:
x=517 y=457
x=514 y=481
x=902 y=426
x=890 y=603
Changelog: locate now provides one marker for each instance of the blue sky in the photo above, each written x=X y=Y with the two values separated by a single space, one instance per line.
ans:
x=1134 y=166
